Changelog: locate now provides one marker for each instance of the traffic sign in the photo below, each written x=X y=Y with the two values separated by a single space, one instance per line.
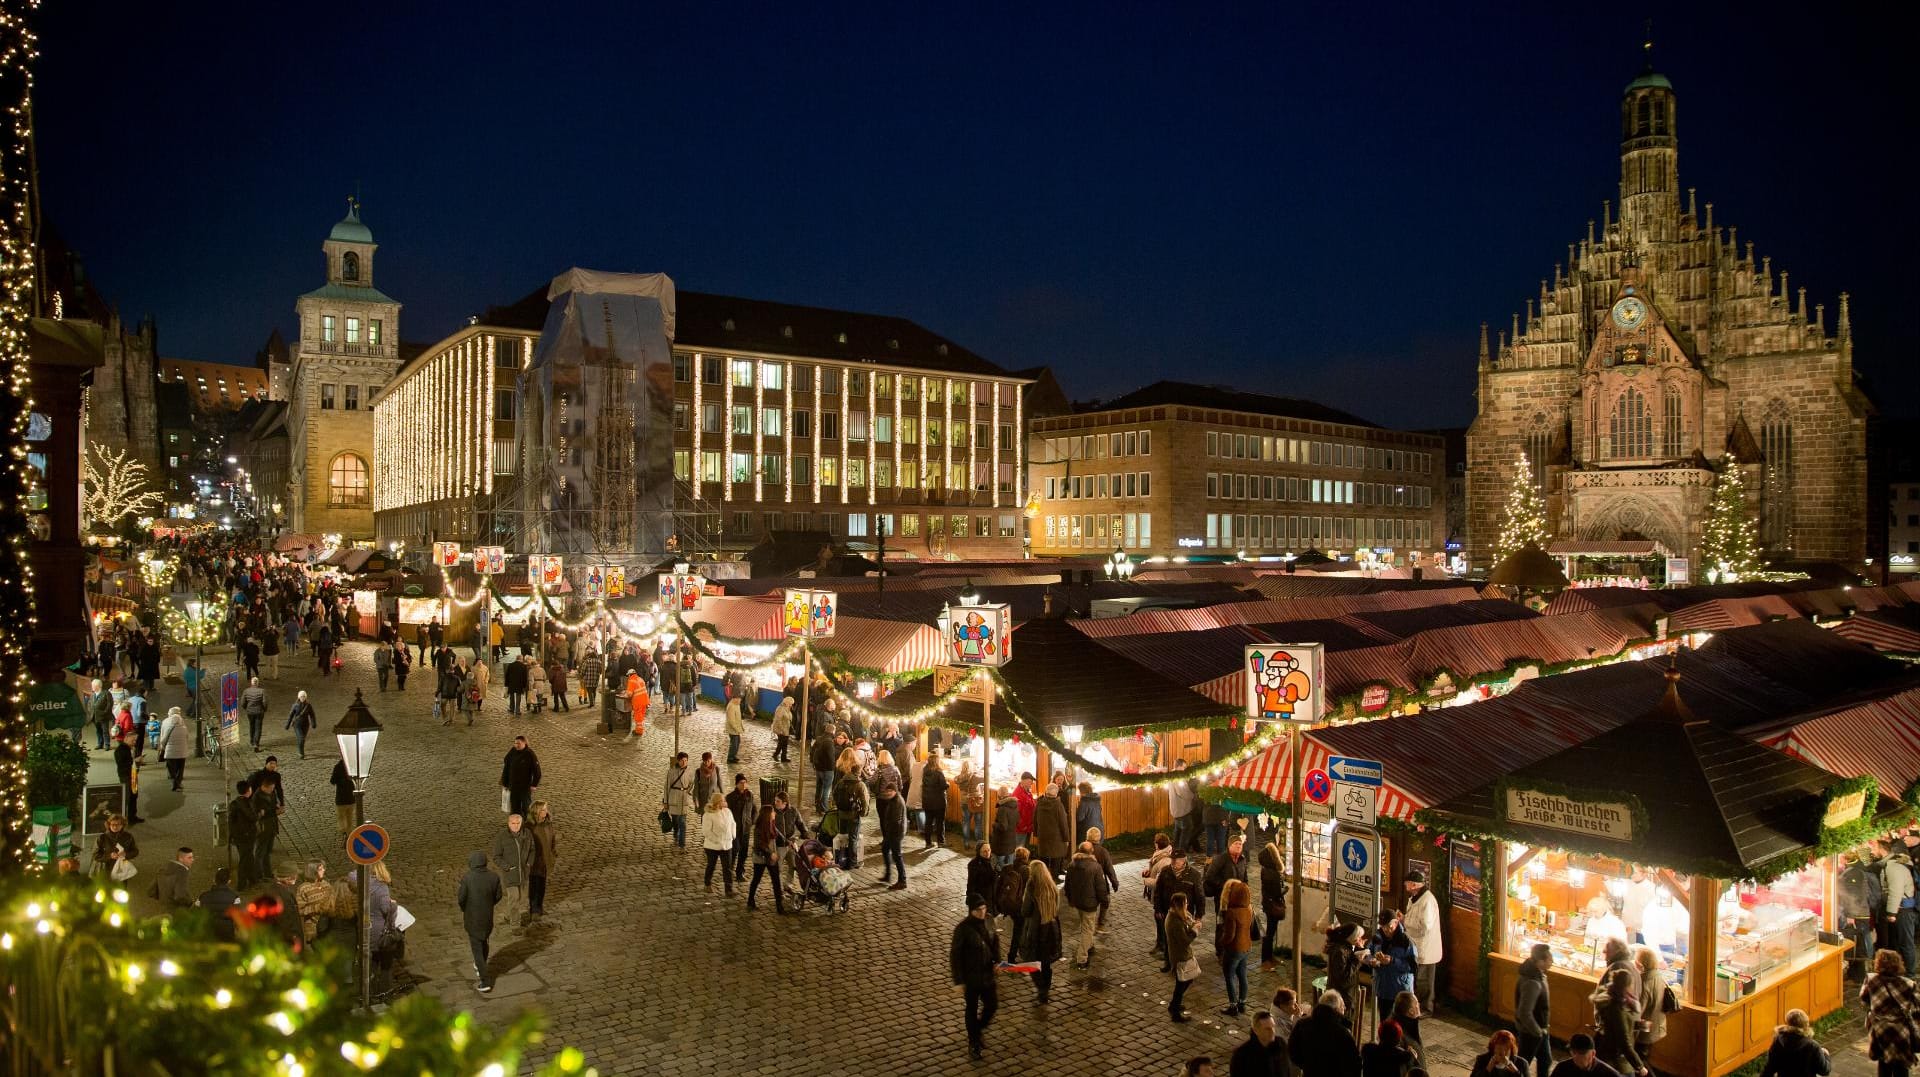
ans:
x=1355 y=805
x=1346 y=768
x=1319 y=787
x=1356 y=873
x=367 y=844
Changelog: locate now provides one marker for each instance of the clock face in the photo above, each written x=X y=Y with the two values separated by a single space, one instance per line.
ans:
x=1629 y=313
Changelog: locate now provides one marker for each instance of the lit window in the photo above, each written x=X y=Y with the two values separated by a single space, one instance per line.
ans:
x=743 y=373
x=326 y=397
x=350 y=266
x=347 y=485
x=353 y=330
x=326 y=328
x=373 y=333
x=773 y=375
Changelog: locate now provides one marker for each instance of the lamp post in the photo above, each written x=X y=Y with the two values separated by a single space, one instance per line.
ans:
x=357 y=732
x=1119 y=566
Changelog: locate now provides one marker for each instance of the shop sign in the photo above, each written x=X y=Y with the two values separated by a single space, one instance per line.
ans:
x=491 y=560
x=1284 y=682
x=446 y=554
x=56 y=706
x=945 y=677
x=809 y=614
x=1191 y=543
x=1374 y=697
x=1612 y=820
x=979 y=635
x=1842 y=810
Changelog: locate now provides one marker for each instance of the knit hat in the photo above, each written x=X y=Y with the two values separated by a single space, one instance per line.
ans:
x=976 y=901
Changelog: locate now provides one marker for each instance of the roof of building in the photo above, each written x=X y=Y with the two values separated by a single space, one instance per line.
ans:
x=351 y=293
x=350 y=229
x=1224 y=398
x=1650 y=79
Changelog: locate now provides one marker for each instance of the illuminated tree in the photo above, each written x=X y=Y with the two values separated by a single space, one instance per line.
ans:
x=1524 y=523
x=1731 y=539
x=120 y=487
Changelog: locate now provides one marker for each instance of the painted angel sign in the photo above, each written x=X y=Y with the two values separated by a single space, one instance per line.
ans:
x=808 y=614
x=1284 y=681
x=979 y=635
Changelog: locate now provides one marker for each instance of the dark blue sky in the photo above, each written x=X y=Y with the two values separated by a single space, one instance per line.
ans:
x=1322 y=204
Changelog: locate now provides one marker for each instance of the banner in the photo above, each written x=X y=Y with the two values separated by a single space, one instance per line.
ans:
x=809 y=614
x=230 y=708
x=616 y=581
x=491 y=560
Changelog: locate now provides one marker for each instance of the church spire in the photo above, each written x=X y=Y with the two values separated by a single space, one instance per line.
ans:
x=1484 y=362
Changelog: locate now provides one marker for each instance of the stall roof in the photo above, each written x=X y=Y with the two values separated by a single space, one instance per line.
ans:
x=1615 y=548
x=736 y=618
x=1713 y=801
x=887 y=646
x=1894 y=629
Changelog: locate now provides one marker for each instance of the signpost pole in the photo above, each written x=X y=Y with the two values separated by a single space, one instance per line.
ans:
x=366 y=870
x=986 y=727
x=1297 y=810
x=806 y=757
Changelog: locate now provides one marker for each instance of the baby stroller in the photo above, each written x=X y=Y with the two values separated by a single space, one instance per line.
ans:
x=817 y=879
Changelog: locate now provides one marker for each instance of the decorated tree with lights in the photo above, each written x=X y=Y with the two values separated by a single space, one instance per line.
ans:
x=1730 y=542
x=1524 y=522
x=118 y=488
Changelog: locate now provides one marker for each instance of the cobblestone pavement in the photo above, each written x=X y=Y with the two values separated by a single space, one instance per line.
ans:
x=643 y=970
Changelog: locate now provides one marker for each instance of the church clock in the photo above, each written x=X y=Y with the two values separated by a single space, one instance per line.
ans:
x=1629 y=313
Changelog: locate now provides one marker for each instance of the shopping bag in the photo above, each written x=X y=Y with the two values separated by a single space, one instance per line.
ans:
x=506 y=800
x=123 y=870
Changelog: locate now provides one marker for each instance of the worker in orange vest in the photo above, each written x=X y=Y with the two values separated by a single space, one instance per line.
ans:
x=638 y=700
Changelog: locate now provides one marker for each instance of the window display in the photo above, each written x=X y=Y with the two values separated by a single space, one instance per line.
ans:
x=1762 y=929
x=1574 y=903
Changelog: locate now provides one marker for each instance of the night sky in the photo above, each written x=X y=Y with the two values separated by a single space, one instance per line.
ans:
x=1325 y=205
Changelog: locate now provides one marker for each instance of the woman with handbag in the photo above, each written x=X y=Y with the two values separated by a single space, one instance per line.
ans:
x=1181 y=927
x=1233 y=942
x=1891 y=1001
x=1273 y=900
x=1654 y=994
x=115 y=847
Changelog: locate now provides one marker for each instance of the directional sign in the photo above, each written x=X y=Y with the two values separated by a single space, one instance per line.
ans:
x=1356 y=873
x=1345 y=768
x=1355 y=805
x=367 y=844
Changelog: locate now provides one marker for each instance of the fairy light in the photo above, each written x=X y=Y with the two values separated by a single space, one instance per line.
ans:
x=695 y=422
x=759 y=424
x=873 y=423
x=727 y=431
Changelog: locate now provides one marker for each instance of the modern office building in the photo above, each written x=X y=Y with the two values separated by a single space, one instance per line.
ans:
x=1179 y=469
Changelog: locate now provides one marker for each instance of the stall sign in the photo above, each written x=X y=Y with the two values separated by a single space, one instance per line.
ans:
x=1679 y=571
x=1842 y=810
x=1284 y=681
x=491 y=560
x=979 y=635
x=1374 y=697
x=1612 y=820
x=596 y=582
x=616 y=581
x=545 y=569
x=809 y=614
x=669 y=591
x=945 y=677
x=1463 y=882
x=446 y=554
x=56 y=706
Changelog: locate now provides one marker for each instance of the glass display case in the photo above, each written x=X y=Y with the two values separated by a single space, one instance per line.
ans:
x=1574 y=903
x=1764 y=929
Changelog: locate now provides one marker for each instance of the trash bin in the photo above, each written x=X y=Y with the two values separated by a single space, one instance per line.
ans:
x=771 y=787
x=219 y=826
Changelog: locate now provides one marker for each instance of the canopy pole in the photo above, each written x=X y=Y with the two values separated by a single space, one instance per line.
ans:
x=1296 y=735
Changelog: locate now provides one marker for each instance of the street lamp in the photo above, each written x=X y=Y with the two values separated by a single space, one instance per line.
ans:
x=1119 y=567
x=357 y=732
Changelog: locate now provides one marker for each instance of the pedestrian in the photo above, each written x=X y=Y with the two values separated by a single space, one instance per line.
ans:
x=1084 y=888
x=170 y=884
x=1178 y=877
x=1651 y=1028
x=545 y=841
x=981 y=872
x=1322 y=1044
x=1616 y=1009
x=1180 y=809
x=343 y=806
x=850 y=808
x=674 y=800
x=1388 y=1055
x=479 y=893
x=266 y=801
x=1053 y=830
x=1264 y=1054
x=115 y=843
x=473 y=690
x=519 y=776
x=383 y=663
x=768 y=844
x=1407 y=1014
x=557 y=683
x=1533 y=1009
x=1583 y=1061
x=446 y=702
x=740 y=804
x=1860 y=899
x=1180 y=929
x=270 y=649
x=638 y=700
x=176 y=745
x=973 y=960
x=1005 y=835
x=716 y=839
x=1345 y=952
x=1391 y=956
x=301 y=720
x=933 y=802
x=1273 y=900
x=1230 y=865
x=220 y=900
x=782 y=729
x=592 y=667
x=512 y=856
x=892 y=813
x=254 y=702
x=1087 y=813
x=706 y=782
x=1794 y=1052
x=537 y=685
x=1233 y=942
x=1425 y=927
x=125 y=768
x=250 y=658
x=1023 y=799
x=243 y=827
x=736 y=726
x=821 y=755
x=1896 y=878
x=402 y=665
x=323 y=640
x=314 y=897
x=1042 y=923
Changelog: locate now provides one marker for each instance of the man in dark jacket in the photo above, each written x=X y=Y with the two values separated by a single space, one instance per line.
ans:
x=1053 y=830
x=1010 y=897
x=512 y=858
x=1086 y=886
x=342 y=783
x=1861 y=898
x=1322 y=1044
x=892 y=811
x=1005 y=835
x=520 y=776
x=822 y=755
x=1178 y=877
x=1264 y=1054
x=1532 y=1009
x=479 y=893
x=1232 y=865
x=243 y=829
x=171 y=885
x=981 y=873
x=740 y=803
x=219 y=901
x=515 y=676
x=973 y=959
x=1087 y=813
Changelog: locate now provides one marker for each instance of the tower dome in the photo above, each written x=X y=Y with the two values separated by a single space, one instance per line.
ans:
x=350 y=230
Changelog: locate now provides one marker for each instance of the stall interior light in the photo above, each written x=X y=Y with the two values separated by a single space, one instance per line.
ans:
x=1072 y=734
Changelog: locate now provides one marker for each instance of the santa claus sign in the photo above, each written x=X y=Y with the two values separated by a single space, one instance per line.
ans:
x=1284 y=682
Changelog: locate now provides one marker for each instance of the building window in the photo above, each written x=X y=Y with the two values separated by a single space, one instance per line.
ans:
x=352 y=400
x=910 y=525
x=883 y=428
x=773 y=375
x=829 y=471
x=802 y=425
x=709 y=418
x=909 y=428
x=347 y=485
x=960 y=525
x=830 y=426
x=1776 y=478
x=802 y=470
x=1213 y=443
x=856 y=472
x=830 y=380
x=326 y=396
x=772 y=468
x=742 y=469
x=742 y=420
x=802 y=378
x=1670 y=425
x=682 y=465
x=743 y=373
x=683 y=367
x=883 y=474
x=710 y=467
x=1146 y=443
x=349 y=266
x=742 y=523
x=772 y=422
x=710 y=369
x=1632 y=427
x=856 y=525
x=353 y=329
x=1145 y=476
x=1006 y=525
x=326 y=328
x=373 y=337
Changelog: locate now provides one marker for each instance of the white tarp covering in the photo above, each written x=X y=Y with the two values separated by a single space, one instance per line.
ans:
x=600 y=282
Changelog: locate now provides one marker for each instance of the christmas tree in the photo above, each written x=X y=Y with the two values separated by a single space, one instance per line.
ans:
x=1731 y=540
x=1525 y=521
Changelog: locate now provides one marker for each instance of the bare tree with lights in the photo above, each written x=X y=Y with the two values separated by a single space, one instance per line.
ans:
x=118 y=488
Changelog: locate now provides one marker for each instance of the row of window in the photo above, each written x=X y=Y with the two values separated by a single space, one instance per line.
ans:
x=1125 y=484
x=1281 y=450
x=865 y=525
x=330 y=324
x=772 y=375
x=1124 y=528
x=345 y=397
x=1327 y=491
x=1100 y=446
x=775 y=422
x=1227 y=530
x=739 y=467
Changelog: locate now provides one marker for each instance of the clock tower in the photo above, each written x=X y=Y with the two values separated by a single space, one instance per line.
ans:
x=1649 y=160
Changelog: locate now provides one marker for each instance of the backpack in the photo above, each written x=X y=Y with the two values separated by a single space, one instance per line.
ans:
x=1009 y=891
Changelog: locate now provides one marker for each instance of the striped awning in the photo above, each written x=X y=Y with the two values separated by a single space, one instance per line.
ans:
x=1880 y=737
x=738 y=618
x=1270 y=611
x=1270 y=774
x=1891 y=630
x=886 y=646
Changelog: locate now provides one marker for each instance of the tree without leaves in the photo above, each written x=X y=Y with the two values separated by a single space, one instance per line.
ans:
x=118 y=488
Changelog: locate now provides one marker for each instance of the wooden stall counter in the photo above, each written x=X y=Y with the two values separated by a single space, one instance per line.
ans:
x=1701 y=1041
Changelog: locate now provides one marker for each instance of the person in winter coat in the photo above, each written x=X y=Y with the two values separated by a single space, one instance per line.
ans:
x=717 y=832
x=1392 y=957
x=740 y=803
x=515 y=678
x=706 y=782
x=1233 y=942
x=301 y=719
x=1087 y=814
x=1794 y=1052
x=538 y=686
x=782 y=729
x=1005 y=834
x=1652 y=1025
x=1041 y=921
x=981 y=872
x=1426 y=927
x=1227 y=867
x=1388 y=1056
x=1344 y=953
x=512 y=859
x=591 y=668
x=1179 y=928
x=821 y=755
x=1533 y=1009
x=1010 y=899
x=973 y=960
x=1052 y=830
x=933 y=802
x=1085 y=888
x=254 y=702
x=545 y=841
x=314 y=897
x=892 y=812
x=1178 y=877
x=520 y=776
x=1617 y=1010
x=1502 y=1058
x=383 y=663
x=678 y=794
x=850 y=807
x=1322 y=1043
x=479 y=893
x=176 y=745
x=402 y=665
x=736 y=727
x=115 y=843
x=1110 y=877
x=1273 y=900
x=1893 y=1038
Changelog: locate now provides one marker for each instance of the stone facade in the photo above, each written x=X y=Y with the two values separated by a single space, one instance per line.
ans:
x=120 y=404
x=348 y=347
x=1660 y=349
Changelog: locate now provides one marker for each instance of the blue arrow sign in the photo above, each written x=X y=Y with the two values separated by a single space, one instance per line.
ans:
x=1356 y=771
x=1353 y=853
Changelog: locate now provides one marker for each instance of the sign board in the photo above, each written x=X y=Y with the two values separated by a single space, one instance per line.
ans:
x=1842 y=810
x=100 y=803
x=1356 y=805
x=1316 y=797
x=616 y=581
x=552 y=570
x=1612 y=820
x=809 y=614
x=1679 y=572
x=979 y=635
x=491 y=560
x=56 y=706
x=596 y=582
x=367 y=844
x=681 y=590
x=1346 y=768
x=1374 y=696
x=446 y=554
x=1356 y=873
x=230 y=708
x=1284 y=681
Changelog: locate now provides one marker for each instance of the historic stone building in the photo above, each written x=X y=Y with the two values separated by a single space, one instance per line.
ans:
x=1662 y=350
x=348 y=346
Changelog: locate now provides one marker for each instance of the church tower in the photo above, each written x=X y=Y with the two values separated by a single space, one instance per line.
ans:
x=1649 y=161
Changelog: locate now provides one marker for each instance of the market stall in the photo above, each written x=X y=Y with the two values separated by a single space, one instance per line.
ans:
x=1716 y=851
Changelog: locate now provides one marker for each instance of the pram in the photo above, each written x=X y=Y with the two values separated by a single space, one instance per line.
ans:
x=817 y=879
